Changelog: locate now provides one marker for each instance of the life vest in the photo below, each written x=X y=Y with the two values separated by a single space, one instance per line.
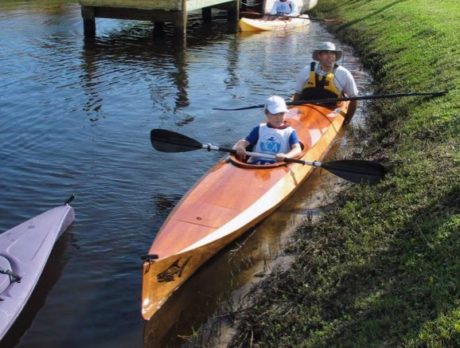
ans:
x=284 y=8
x=271 y=141
x=320 y=87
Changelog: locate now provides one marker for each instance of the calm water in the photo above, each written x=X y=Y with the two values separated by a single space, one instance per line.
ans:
x=75 y=118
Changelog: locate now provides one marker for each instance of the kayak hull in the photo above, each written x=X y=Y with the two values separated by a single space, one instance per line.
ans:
x=229 y=199
x=263 y=24
x=24 y=251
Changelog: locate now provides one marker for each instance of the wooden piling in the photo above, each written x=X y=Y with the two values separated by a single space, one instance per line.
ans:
x=89 y=21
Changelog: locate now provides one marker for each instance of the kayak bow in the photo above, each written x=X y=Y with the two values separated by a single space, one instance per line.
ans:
x=24 y=251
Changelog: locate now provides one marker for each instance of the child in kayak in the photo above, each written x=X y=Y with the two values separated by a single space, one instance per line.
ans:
x=284 y=8
x=275 y=137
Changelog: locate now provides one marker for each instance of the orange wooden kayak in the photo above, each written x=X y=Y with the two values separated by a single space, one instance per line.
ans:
x=229 y=199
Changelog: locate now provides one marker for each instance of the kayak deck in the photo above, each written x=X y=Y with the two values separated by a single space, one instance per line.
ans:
x=24 y=251
x=226 y=202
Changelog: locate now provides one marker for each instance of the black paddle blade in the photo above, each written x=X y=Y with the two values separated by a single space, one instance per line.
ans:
x=357 y=171
x=168 y=141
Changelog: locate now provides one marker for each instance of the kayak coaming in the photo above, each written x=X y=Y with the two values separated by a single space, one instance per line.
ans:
x=25 y=249
x=261 y=24
x=229 y=199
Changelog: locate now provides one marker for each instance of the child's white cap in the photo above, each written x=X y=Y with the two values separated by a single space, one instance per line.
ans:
x=275 y=105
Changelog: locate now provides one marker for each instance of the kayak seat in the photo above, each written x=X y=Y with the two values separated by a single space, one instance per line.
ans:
x=6 y=271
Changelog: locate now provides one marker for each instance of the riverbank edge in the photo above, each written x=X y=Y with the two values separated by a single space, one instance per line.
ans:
x=381 y=269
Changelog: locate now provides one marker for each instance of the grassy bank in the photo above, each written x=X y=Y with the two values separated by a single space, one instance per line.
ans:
x=383 y=269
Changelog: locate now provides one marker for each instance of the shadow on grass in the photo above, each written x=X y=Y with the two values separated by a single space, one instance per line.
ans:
x=340 y=292
x=391 y=298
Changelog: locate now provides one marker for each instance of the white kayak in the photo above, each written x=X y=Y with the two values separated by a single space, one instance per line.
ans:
x=24 y=251
x=273 y=24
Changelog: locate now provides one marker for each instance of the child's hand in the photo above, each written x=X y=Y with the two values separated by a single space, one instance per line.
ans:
x=240 y=148
x=240 y=152
x=280 y=157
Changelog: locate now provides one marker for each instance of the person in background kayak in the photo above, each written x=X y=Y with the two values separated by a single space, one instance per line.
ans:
x=284 y=8
x=326 y=79
x=275 y=137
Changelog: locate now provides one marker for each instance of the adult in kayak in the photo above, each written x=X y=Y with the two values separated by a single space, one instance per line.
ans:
x=284 y=8
x=275 y=137
x=326 y=79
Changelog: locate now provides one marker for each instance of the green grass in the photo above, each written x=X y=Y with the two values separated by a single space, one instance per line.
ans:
x=383 y=268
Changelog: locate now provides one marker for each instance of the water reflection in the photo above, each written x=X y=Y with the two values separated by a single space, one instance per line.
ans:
x=163 y=63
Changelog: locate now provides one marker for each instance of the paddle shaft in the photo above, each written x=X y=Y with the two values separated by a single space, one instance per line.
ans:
x=335 y=100
x=368 y=97
x=211 y=147
x=356 y=171
x=316 y=164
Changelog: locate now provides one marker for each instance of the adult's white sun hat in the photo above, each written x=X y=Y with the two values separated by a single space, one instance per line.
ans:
x=275 y=105
x=326 y=46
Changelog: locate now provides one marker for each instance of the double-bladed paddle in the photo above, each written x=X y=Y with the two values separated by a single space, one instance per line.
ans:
x=335 y=100
x=356 y=171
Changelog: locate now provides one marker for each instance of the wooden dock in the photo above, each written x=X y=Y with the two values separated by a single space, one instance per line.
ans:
x=156 y=11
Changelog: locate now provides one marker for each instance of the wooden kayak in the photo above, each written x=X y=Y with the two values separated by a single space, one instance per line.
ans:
x=24 y=251
x=229 y=199
x=267 y=24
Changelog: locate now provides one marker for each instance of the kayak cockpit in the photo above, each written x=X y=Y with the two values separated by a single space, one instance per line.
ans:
x=7 y=275
x=243 y=164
